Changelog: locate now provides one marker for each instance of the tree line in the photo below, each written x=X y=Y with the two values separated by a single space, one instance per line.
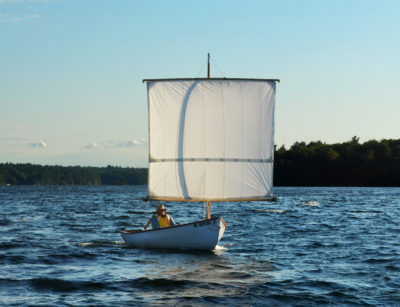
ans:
x=30 y=174
x=373 y=163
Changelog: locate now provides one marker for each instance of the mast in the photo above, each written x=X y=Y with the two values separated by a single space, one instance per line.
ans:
x=208 y=202
x=208 y=76
x=208 y=66
x=208 y=210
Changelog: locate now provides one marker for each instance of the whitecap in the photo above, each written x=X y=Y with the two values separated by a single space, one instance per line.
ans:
x=118 y=242
x=85 y=244
x=275 y=211
x=219 y=247
x=309 y=204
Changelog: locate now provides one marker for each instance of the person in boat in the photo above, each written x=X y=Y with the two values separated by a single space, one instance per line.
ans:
x=162 y=219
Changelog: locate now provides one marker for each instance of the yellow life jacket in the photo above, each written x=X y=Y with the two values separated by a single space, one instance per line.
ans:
x=164 y=221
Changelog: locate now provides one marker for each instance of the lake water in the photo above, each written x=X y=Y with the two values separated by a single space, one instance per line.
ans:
x=61 y=246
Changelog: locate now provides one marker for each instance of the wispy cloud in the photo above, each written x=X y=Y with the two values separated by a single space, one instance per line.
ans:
x=92 y=145
x=39 y=144
x=130 y=143
x=5 y=18
x=28 y=12
x=10 y=1
x=116 y=144
x=33 y=16
x=22 y=1
x=21 y=142
x=12 y=18
x=42 y=1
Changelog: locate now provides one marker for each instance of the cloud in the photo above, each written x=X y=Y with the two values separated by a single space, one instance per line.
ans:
x=130 y=143
x=12 y=141
x=116 y=144
x=39 y=144
x=22 y=5
x=9 y=18
x=4 y=18
x=92 y=145
x=10 y=1
x=42 y=1
x=22 y=1
x=33 y=16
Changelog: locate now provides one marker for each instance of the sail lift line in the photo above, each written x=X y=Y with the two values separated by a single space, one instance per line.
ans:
x=201 y=70
x=208 y=62
x=218 y=68
x=208 y=66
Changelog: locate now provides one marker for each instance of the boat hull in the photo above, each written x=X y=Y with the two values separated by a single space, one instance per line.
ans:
x=203 y=235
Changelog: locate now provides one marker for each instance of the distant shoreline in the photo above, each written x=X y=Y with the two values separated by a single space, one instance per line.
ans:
x=348 y=164
x=33 y=174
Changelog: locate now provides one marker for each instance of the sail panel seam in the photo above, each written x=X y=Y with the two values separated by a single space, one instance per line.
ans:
x=211 y=160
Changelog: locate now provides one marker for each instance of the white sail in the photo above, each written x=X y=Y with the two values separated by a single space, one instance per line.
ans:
x=211 y=139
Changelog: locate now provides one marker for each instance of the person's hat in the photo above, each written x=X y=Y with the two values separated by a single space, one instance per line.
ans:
x=161 y=207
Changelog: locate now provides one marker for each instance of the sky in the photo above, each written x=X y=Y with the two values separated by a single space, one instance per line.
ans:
x=71 y=71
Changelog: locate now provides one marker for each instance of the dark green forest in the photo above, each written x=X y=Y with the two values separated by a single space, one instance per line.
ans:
x=373 y=163
x=30 y=174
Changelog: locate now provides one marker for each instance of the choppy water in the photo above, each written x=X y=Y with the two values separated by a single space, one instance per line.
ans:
x=61 y=246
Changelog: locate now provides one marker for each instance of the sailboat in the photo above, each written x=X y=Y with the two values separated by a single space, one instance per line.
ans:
x=210 y=140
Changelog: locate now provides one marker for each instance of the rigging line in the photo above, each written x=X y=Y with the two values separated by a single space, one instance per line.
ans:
x=218 y=68
x=198 y=75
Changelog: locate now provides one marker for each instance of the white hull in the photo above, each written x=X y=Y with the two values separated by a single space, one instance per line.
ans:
x=198 y=235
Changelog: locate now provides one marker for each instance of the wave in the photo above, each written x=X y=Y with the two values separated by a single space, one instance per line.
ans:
x=379 y=260
x=269 y=211
x=5 y=222
x=61 y=285
x=393 y=268
x=97 y=243
x=309 y=204
x=310 y=292
x=9 y=245
x=143 y=283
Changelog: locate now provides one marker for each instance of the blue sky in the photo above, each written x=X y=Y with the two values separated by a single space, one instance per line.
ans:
x=71 y=90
